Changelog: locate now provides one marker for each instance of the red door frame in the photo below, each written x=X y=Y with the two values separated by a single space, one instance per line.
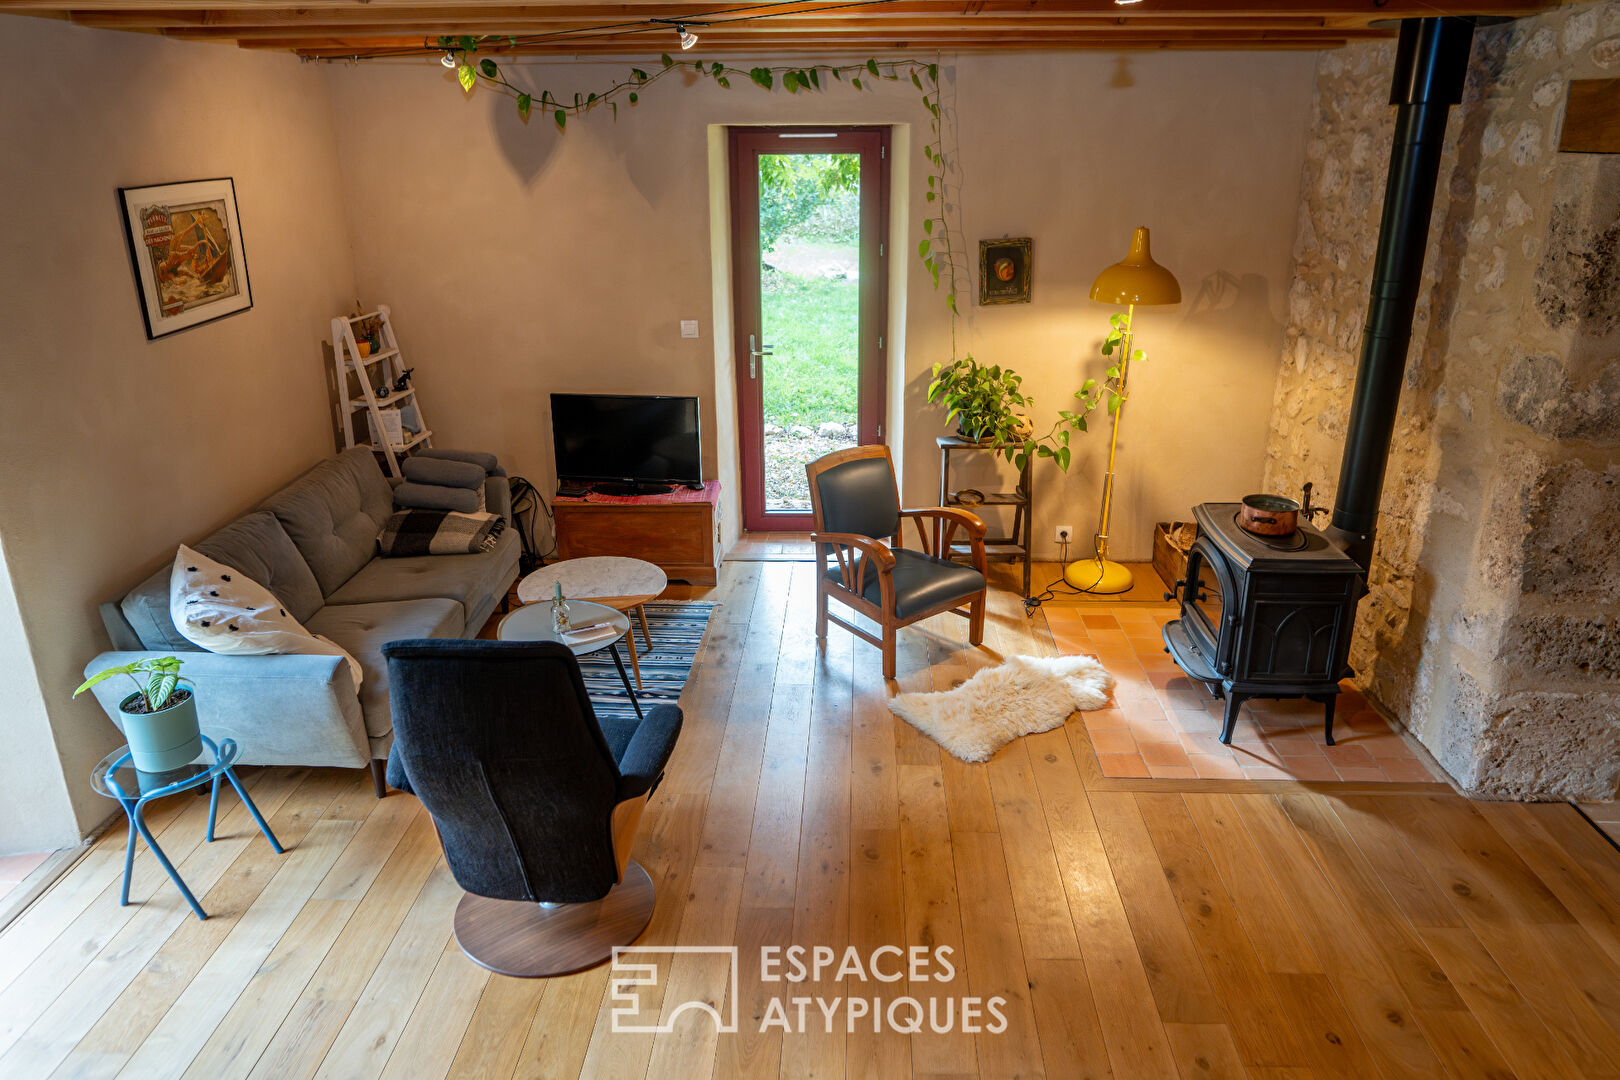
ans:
x=747 y=144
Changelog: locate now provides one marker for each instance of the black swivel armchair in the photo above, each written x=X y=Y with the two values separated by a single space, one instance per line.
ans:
x=535 y=799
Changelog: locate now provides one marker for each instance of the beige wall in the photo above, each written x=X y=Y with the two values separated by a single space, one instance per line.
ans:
x=521 y=262
x=113 y=448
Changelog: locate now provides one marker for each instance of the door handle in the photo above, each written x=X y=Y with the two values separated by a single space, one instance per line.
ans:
x=755 y=351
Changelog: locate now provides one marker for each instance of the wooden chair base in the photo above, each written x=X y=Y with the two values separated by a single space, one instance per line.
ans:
x=527 y=941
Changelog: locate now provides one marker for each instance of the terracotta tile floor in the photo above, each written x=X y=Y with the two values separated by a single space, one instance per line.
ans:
x=1165 y=725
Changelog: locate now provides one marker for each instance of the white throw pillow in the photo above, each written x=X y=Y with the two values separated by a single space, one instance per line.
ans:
x=216 y=608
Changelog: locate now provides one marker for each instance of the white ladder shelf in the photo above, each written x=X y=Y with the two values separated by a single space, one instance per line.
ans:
x=348 y=361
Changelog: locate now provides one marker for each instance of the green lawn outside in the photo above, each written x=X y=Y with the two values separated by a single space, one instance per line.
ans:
x=811 y=325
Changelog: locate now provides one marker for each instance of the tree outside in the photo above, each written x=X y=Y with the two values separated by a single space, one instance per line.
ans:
x=809 y=209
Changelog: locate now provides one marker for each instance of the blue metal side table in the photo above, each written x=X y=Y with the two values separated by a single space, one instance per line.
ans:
x=117 y=779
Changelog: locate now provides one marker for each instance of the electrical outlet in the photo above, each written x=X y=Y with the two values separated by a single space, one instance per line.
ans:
x=1064 y=534
x=689 y=328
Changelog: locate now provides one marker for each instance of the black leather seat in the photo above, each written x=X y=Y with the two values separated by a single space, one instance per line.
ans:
x=856 y=507
x=921 y=582
x=535 y=801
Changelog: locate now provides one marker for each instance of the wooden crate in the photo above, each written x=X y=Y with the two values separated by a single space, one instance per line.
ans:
x=1169 y=559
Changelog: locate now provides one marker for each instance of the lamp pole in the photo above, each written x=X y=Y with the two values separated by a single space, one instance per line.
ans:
x=1101 y=539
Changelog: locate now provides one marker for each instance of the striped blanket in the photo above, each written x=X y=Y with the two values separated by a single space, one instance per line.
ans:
x=439 y=532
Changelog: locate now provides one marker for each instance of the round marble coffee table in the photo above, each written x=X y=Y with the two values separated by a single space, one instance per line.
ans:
x=620 y=583
x=533 y=622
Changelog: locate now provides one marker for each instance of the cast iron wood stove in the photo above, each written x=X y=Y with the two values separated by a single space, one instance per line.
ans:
x=1263 y=619
x=1264 y=616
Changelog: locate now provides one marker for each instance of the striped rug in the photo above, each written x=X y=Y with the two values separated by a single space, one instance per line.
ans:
x=677 y=632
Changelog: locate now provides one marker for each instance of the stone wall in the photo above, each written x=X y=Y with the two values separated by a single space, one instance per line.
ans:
x=1491 y=628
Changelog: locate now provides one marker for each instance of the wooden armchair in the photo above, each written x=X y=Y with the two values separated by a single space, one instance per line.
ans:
x=855 y=504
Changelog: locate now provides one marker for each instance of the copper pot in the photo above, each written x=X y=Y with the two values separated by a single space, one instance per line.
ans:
x=1269 y=515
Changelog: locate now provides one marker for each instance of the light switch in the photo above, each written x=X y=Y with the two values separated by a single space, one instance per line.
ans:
x=689 y=328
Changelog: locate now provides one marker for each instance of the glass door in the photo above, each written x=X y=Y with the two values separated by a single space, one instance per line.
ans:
x=810 y=299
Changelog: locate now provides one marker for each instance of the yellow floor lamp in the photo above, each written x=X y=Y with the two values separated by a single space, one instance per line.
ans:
x=1135 y=280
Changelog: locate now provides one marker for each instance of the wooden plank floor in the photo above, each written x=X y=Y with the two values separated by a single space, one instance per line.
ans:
x=1130 y=928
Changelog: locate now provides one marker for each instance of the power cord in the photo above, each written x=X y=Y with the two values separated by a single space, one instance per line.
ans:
x=527 y=502
x=1060 y=586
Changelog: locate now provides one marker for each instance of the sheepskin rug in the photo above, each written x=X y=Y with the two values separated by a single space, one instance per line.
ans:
x=1025 y=695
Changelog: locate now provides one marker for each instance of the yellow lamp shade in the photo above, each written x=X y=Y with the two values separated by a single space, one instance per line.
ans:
x=1137 y=279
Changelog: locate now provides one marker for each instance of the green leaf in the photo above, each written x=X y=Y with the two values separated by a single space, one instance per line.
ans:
x=928 y=226
x=931 y=180
x=722 y=82
x=931 y=106
x=468 y=43
x=950 y=302
x=589 y=101
x=717 y=68
x=666 y=60
x=1137 y=354
x=525 y=103
x=614 y=105
x=487 y=66
x=856 y=83
x=634 y=97
x=922 y=248
x=790 y=81
x=815 y=78
x=1086 y=387
x=762 y=77
x=917 y=82
x=871 y=65
x=1114 y=402
x=465 y=76
x=561 y=118
x=1063 y=458
x=641 y=76
x=931 y=196
x=933 y=73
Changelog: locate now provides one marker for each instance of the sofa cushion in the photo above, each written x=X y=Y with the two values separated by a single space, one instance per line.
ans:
x=258 y=547
x=146 y=606
x=468 y=579
x=363 y=629
x=221 y=609
x=333 y=514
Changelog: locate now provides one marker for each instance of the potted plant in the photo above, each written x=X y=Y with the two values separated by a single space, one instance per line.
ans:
x=987 y=405
x=160 y=718
x=984 y=401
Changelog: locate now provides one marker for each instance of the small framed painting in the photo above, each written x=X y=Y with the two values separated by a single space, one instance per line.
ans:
x=186 y=245
x=1004 y=269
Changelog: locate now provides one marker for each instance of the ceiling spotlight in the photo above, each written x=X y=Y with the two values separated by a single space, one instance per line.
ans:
x=1126 y=3
x=448 y=59
x=688 y=39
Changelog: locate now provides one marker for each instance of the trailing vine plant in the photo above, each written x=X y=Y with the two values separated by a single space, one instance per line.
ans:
x=935 y=248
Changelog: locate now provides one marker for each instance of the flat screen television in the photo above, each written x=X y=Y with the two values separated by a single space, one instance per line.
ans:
x=640 y=442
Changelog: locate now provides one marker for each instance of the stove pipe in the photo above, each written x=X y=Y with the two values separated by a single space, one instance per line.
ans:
x=1431 y=62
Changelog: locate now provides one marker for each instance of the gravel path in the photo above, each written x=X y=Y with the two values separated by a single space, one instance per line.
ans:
x=786 y=455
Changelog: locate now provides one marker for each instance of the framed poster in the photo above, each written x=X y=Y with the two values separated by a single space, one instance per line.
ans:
x=186 y=245
x=1004 y=269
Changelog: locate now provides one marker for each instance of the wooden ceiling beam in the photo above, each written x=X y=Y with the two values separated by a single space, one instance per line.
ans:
x=1364 y=10
x=643 y=45
x=528 y=16
x=536 y=37
x=343 y=51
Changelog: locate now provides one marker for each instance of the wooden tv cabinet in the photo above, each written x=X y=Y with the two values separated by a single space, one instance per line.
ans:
x=679 y=532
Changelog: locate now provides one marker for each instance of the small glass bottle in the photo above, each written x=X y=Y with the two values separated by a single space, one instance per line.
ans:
x=559 y=611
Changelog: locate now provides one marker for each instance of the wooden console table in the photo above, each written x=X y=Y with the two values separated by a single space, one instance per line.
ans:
x=1015 y=545
x=679 y=532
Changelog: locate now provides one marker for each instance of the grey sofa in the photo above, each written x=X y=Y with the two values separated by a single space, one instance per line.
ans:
x=314 y=544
